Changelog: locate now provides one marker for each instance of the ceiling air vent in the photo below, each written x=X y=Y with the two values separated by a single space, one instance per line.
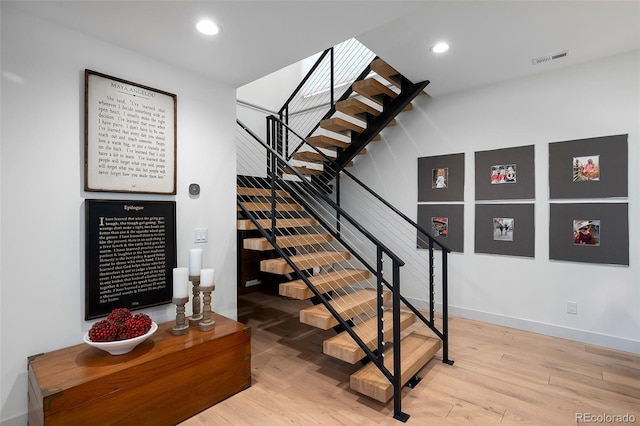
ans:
x=543 y=59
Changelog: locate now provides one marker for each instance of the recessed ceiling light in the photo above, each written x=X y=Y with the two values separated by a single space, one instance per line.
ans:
x=440 y=47
x=208 y=27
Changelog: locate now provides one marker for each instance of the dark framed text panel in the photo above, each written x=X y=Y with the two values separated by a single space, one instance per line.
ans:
x=445 y=223
x=506 y=229
x=505 y=174
x=441 y=178
x=130 y=253
x=589 y=168
x=130 y=137
x=612 y=221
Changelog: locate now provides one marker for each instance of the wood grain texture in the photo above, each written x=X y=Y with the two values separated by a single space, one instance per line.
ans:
x=84 y=385
x=501 y=376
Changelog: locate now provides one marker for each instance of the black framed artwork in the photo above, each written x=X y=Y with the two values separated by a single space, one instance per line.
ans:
x=441 y=178
x=505 y=174
x=444 y=222
x=589 y=232
x=589 y=168
x=130 y=253
x=506 y=229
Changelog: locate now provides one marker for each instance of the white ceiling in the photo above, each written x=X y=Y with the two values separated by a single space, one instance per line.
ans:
x=491 y=41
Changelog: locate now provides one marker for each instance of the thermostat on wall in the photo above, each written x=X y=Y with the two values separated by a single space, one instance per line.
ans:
x=194 y=189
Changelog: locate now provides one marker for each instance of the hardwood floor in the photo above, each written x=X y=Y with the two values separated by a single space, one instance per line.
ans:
x=501 y=376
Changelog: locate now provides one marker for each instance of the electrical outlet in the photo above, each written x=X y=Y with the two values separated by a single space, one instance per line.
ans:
x=572 y=308
x=200 y=235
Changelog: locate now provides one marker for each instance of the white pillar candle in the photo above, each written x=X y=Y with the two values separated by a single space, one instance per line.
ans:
x=206 y=277
x=180 y=282
x=195 y=262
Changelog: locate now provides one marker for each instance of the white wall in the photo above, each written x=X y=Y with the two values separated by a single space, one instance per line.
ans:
x=596 y=99
x=42 y=247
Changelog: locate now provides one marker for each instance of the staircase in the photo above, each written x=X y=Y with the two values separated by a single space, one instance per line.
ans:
x=346 y=284
x=320 y=253
x=371 y=105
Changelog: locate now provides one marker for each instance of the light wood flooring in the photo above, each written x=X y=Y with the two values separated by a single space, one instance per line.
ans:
x=501 y=376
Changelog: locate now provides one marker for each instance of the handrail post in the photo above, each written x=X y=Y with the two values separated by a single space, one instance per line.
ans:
x=432 y=295
x=445 y=310
x=397 y=361
x=380 y=306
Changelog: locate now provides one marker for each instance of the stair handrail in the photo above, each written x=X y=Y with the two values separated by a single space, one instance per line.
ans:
x=324 y=196
x=430 y=322
x=395 y=377
x=362 y=184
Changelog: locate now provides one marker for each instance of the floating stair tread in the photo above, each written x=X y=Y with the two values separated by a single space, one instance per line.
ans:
x=386 y=71
x=347 y=306
x=265 y=207
x=339 y=125
x=323 y=141
x=304 y=261
x=263 y=244
x=356 y=108
x=373 y=89
x=312 y=157
x=260 y=192
x=323 y=283
x=247 y=225
x=307 y=171
x=343 y=347
x=416 y=351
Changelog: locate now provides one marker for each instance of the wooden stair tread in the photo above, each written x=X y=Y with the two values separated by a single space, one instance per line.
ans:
x=339 y=125
x=265 y=207
x=323 y=141
x=373 y=89
x=386 y=71
x=247 y=225
x=324 y=283
x=304 y=261
x=307 y=171
x=356 y=108
x=343 y=347
x=263 y=244
x=416 y=351
x=312 y=157
x=347 y=306
x=260 y=192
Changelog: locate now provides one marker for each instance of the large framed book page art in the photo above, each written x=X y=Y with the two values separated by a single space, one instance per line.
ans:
x=130 y=137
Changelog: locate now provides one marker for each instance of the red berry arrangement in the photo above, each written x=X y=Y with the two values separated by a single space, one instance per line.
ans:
x=120 y=325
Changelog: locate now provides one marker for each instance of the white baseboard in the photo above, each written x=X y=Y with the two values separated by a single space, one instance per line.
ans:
x=583 y=336
x=20 y=420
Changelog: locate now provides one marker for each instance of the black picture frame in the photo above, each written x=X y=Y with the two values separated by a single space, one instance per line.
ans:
x=454 y=187
x=522 y=159
x=612 y=152
x=130 y=253
x=523 y=237
x=454 y=213
x=613 y=221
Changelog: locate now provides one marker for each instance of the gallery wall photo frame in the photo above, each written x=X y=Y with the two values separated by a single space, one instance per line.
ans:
x=130 y=137
x=505 y=229
x=607 y=225
x=505 y=174
x=445 y=223
x=589 y=168
x=441 y=178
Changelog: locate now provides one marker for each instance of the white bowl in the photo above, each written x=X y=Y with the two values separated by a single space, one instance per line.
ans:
x=121 y=347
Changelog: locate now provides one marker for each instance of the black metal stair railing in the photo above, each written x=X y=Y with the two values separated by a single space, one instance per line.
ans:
x=280 y=175
x=295 y=187
x=279 y=128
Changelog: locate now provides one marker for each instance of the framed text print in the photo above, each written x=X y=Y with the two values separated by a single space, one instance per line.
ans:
x=130 y=137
